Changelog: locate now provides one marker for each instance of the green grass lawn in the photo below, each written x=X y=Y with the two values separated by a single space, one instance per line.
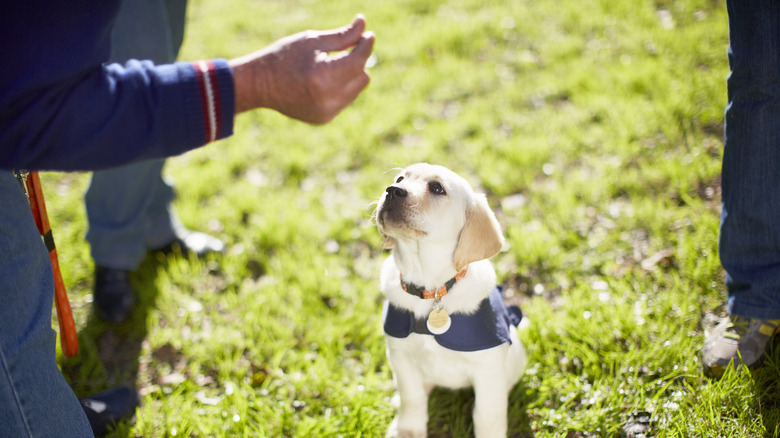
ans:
x=595 y=129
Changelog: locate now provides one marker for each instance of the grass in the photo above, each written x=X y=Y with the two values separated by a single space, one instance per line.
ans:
x=594 y=127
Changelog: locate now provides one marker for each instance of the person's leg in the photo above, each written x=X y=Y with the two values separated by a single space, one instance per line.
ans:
x=148 y=29
x=163 y=225
x=129 y=208
x=119 y=202
x=750 y=228
x=176 y=11
x=35 y=399
x=749 y=242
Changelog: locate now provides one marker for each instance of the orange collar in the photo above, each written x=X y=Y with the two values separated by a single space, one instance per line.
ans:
x=419 y=292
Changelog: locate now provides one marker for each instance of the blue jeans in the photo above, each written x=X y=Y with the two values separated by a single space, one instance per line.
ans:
x=750 y=220
x=129 y=208
x=35 y=399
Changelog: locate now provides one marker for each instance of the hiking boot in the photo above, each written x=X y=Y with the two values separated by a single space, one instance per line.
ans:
x=737 y=340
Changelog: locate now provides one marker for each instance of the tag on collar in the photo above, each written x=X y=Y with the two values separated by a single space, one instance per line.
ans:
x=438 y=322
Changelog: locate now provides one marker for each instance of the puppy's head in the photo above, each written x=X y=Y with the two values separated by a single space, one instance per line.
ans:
x=432 y=204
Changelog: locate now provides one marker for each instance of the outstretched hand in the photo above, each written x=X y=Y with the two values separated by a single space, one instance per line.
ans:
x=307 y=76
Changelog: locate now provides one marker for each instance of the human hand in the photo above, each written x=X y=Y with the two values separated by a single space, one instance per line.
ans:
x=299 y=77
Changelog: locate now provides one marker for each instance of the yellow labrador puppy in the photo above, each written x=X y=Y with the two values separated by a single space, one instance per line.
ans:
x=444 y=319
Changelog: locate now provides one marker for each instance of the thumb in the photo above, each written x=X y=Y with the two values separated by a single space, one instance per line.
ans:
x=343 y=37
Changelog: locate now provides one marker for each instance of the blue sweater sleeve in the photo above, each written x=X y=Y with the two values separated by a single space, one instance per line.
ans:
x=119 y=114
x=63 y=108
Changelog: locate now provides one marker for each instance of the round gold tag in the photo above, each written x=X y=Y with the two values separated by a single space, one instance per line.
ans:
x=438 y=321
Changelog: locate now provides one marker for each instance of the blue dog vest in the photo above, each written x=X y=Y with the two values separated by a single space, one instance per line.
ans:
x=487 y=328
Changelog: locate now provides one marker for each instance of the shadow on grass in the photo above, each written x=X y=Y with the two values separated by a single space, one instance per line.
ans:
x=451 y=414
x=109 y=355
x=768 y=388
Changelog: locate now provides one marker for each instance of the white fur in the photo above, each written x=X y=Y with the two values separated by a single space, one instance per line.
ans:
x=425 y=230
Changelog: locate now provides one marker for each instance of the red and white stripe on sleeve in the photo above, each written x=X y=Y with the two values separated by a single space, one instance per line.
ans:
x=209 y=96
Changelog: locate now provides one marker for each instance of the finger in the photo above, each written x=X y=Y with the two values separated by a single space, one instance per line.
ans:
x=354 y=87
x=343 y=37
x=346 y=94
x=351 y=63
x=363 y=48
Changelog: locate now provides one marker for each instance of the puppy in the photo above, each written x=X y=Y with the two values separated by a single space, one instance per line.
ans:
x=444 y=319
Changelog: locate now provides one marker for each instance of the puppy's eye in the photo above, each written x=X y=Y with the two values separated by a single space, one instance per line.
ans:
x=400 y=178
x=436 y=188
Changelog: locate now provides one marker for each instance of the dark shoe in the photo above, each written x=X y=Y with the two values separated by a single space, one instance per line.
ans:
x=114 y=295
x=194 y=242
x=109 y=407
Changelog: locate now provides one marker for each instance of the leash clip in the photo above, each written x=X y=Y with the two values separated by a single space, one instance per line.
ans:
x=22 y=175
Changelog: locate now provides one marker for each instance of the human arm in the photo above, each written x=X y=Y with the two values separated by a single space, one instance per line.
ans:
x=116 y=115
x=72 y=113
x=62 y=108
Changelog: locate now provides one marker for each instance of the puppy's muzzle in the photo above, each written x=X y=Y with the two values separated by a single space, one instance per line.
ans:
x=391 y=207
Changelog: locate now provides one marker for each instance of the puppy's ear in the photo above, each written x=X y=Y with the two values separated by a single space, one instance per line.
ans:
x=388 y=243
x=481 y=237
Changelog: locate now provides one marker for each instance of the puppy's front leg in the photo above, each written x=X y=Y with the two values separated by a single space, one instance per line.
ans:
x=412 y=419
x=490 y=406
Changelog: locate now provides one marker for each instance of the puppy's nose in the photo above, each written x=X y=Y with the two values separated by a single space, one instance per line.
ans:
x=395 y=192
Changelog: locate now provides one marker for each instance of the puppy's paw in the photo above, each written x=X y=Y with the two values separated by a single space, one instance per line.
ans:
x=394 y=432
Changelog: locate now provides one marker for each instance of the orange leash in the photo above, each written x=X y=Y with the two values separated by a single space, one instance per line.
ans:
x=68 y=336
